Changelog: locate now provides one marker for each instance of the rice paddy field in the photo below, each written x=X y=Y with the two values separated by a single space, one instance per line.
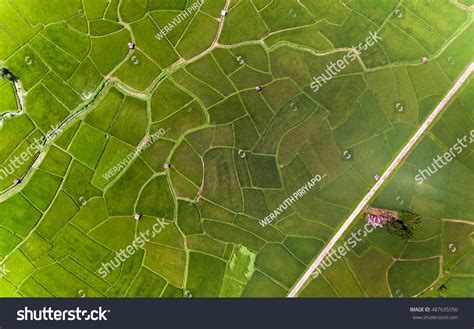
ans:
x=122 y=113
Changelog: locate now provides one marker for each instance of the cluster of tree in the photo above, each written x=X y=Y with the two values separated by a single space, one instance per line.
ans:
x=7 y=74
x=404 y=227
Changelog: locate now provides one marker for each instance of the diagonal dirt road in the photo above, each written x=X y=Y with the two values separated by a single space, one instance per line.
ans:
x=393 y=166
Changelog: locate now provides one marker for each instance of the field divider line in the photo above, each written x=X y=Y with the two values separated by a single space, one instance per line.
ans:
x=393 y=166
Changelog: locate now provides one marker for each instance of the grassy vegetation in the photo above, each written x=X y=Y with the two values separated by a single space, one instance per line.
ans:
x=234 y=154
x=437 y=251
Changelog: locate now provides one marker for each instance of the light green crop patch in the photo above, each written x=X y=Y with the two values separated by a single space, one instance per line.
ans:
x=8 y=101
x=238 y=272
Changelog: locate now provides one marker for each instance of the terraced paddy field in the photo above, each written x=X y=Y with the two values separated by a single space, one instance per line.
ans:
x=142 y=143
x=432 y=262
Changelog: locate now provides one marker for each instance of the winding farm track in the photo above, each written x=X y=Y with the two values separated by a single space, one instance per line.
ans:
x=393 y=166
x=20 y=94
x=88 y=102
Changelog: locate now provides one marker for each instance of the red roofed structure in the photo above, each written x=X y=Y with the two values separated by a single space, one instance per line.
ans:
x=378 y=217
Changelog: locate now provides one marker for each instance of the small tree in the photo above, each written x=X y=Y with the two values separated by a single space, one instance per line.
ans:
x=404 y=227
x=7 y=74
x=396 y=228
x=411 y=220
x=443 y=290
